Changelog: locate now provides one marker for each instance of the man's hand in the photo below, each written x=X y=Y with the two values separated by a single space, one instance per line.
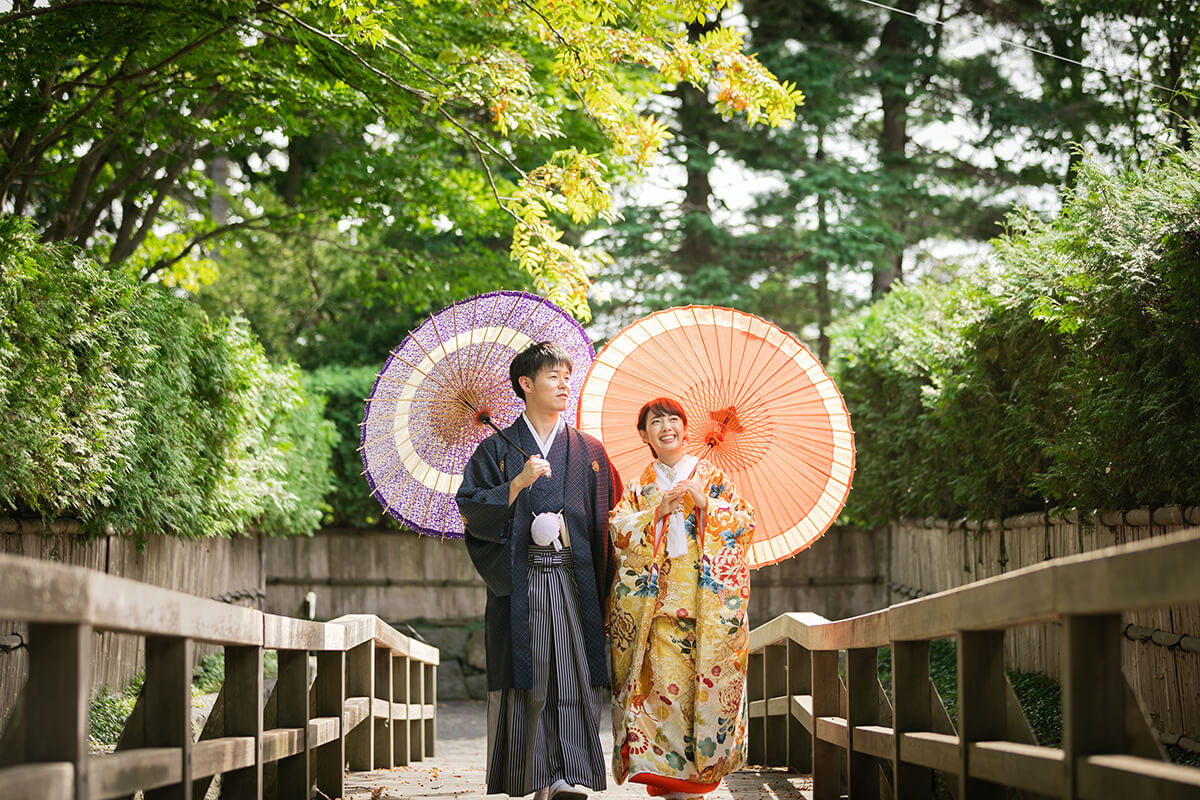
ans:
x=536 y=467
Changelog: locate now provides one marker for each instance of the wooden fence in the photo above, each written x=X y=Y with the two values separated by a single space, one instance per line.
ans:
x=372 y=703
x=804 y=716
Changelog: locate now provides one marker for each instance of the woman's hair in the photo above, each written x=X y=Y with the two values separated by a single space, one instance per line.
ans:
x=533 y=359
x=661 y=407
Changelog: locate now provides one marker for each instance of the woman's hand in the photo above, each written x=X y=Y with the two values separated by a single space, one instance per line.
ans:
x=696 y=489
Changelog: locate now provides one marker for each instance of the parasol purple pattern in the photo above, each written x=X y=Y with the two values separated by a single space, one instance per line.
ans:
x=423 y=420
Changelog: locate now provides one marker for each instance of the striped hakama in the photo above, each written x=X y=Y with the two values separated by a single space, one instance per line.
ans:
x=551 y=731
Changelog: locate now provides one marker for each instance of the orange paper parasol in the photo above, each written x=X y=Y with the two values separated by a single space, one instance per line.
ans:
x=759 y=406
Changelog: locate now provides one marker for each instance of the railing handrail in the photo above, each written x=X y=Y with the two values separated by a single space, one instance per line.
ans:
x=375 y=691
x=804 y=716
x=1077 y=584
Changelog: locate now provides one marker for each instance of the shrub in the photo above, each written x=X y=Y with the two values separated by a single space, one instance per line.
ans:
x=129 y=408
x=349 y=502
x=1066 y=373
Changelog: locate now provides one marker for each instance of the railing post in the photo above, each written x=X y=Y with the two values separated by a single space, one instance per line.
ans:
x=331 y=701
x=384 y=755
x=429 y=698
x=60 y=658
x=416 y=710
x=294 y=712
x=360 y=682
x=775 y=686
x=982 y=704
x=244 y=717
x=911 y=704
x=168 y=707
x=827 y=757
x=756 y=691
x=862 y=708
x=1092 y=691
x=799 y=680
x=401 y=695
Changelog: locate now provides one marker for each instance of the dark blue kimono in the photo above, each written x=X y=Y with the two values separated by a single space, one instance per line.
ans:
x=498 y=538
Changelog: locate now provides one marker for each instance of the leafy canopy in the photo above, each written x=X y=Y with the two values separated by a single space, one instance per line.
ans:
x=114 y=113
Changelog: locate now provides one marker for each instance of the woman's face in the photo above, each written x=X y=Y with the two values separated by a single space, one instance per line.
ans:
x=665 y=433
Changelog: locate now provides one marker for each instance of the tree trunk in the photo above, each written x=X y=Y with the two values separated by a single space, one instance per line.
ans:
x=695 y=123
x=896 y=44
x=824 y=306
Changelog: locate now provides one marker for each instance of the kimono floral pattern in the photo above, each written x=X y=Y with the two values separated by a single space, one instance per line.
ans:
x=679 y=635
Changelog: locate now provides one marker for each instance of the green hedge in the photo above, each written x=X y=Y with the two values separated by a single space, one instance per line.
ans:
x=126 y=406
x=1064 y=374
x=349 y=499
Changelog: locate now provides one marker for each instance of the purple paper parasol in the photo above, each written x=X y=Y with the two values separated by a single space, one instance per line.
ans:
x=423 y=418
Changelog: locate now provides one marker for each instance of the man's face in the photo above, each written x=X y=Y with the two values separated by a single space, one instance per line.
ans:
x=548 y=390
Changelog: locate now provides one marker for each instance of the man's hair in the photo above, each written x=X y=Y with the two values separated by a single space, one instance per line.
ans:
x=533 y=359
x=660 y=407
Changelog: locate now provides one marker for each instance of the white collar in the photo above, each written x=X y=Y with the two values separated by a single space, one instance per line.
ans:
x=544 y=446
x=673 y=475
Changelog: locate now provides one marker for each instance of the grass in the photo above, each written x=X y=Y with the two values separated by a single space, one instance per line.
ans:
x=108 y=711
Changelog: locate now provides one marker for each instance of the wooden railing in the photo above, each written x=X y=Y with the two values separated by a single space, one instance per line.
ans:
x=855 y=739
x=372 y=703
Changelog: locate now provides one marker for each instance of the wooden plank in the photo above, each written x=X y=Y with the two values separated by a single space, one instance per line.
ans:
x=214 y=728
x=934 y=750
x=359 y=628
x=54 y=781
x=756 y=709
x=167 y=695
x=354 y=711
x=401 y=693
x=827 y=758
x=294 y=774
x=756 y=695
x=912 y=711
x=330 y=701
x=416 y=710
x=40 y=591
x=799 y=683
x=861 y=632
x=1106 y=776
x=223 y=754
x=56 y=696
x=381 y=709
x=874 y=740
x=429 y=712
x=774 y=722
x=834 y=731
x=322 y=730
x=1022 y=766
x=862 y=709
x=981 y=704
x=122 y=773
x=360 y=683
x=802 y=711
x=289 y=633
x=244 y=717
x=1093 y=699
x=281 y=743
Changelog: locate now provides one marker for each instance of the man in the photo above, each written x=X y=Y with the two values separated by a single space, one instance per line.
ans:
x=537 y=532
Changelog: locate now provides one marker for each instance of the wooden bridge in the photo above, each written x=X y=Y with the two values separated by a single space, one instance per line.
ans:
x=365 y=722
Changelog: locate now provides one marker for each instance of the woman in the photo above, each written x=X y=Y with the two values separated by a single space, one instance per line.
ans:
x=677 y=616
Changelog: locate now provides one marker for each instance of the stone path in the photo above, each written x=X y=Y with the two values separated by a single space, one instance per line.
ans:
x=456 y=772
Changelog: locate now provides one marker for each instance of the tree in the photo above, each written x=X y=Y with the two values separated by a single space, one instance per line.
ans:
x=118 y=120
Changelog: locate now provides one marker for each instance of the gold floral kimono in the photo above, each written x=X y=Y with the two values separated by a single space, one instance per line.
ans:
x=679 y=635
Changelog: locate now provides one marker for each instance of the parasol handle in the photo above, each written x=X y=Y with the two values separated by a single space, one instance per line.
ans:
x=486 y=419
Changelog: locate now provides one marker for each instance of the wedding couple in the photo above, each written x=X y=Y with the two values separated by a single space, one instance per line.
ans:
x=581 y=576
